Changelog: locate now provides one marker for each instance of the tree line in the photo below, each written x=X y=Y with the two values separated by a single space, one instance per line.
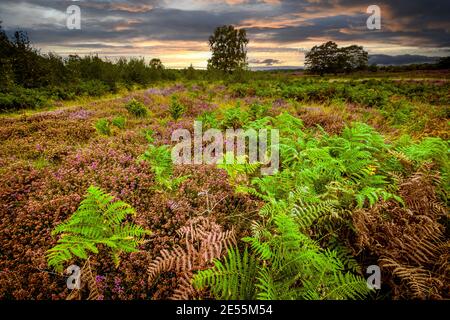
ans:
x=31 y=79
x=22 y=65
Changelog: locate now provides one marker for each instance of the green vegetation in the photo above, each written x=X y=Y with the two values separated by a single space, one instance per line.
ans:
x=228 y=47
x=136 y=108
x=119 y=122
x=160 y=160
x=329 y=58
x=363 y=179
x=322 y=181
x=33 y=80
x=375 y=93
x=103 y=127
x=98 y=221
x=176 y=109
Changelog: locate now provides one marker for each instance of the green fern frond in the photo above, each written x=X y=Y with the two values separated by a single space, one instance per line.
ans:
x=261 y=249
x=97 y=221
x=231 y=280
x=306 y=213
x=348 y=287
x=372 y=195
x=265 y=285
x=429 y=149
x=345 y=255
x=160 y=159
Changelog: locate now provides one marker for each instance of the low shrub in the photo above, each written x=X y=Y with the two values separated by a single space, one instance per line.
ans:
x=119 y=122
x=103 y=127
x=235 y=117
x=21 y=98
x=136 y=108
x=176 y=108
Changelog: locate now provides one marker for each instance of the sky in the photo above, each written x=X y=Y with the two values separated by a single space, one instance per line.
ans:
x=177 y=32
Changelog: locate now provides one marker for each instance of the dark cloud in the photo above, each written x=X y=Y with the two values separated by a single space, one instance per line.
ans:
x=155 y=24
x=404 y=22
x=383 y=59
x=267 y=62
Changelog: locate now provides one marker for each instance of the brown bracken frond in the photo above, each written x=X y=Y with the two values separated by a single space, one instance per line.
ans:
x=409 y=241
x=201 y=241
x=418 y=279
x=185 y=289
x=87 y=283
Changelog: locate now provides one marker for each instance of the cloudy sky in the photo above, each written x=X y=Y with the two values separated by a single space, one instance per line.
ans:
x=176 y=31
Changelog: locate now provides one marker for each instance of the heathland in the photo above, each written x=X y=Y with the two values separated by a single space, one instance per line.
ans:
x=363 y=181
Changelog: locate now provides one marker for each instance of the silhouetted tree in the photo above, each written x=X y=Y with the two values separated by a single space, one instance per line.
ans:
x=156 y=64
x=322 y=59
x=190 y=73
x=228 y=47
x=329 y=58
x=6 y=72
x=444 y=63
x=353 y=58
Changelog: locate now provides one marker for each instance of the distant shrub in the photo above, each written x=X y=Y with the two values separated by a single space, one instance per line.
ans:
x=66 y=92
x=209 y=120
x=176 y=108
x=190 y=73
x=103 y=127
x=21 y=98
x=235 y=117
x=94 y=88
x=368 y=97
x=136 y=108
x=258 y=111
x=238 y=76
x=119 y=122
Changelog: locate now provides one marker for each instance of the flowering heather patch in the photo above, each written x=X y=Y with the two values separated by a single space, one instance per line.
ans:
x=168 y=91
x=153 y=91
x=164 y=133
x=55 y=114
x=199 y=108
x=278 y=105
x=53 y=193
x=81 y=114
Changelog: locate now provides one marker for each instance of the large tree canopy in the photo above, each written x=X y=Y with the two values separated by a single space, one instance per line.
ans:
x=329 y=58
x=228 y=47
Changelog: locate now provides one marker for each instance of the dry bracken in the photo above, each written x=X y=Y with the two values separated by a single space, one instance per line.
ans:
x=201 y=241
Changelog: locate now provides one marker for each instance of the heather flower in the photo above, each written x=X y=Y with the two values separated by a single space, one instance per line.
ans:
x=81 y=114
x=94 y=165
x=117 y=286
x=279 y=103
x=152 y=91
